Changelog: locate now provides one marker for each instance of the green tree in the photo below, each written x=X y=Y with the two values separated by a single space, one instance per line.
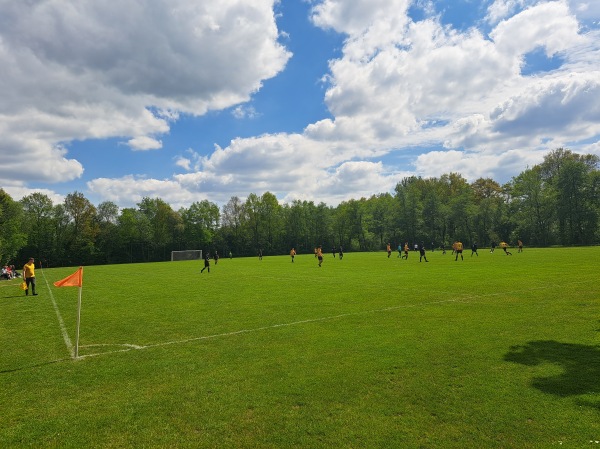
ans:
x=233 y=227
x=82 y=229
x=107 y=240
x=570 y=177
x=165 y=223
x=201 y=224
x=410 y=208
x=12 y=237
x=272 y=220
x=488 y=206
x=254 y=221
x=39 y=226
x=533 y=207
x=134 y=232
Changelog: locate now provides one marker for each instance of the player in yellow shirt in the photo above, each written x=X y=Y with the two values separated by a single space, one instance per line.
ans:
x=388 y=248
x=293 y=254
x=406 y=250
x=504 y=246
x=320 y=255
x=458 y=249
x=29 y=276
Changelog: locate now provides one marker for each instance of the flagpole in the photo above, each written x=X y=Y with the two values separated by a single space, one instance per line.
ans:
x=78 y=320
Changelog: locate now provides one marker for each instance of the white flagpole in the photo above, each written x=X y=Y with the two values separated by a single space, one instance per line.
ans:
x=78 y=320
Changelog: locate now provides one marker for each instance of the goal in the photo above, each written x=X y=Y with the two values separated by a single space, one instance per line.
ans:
x=189 y=254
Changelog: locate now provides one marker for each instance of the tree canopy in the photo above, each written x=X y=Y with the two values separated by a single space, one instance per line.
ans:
x=554 y=203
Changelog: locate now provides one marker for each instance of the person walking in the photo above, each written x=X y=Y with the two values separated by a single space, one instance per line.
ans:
x=388 y=248
x=293 y=254
x=520 y=245
x=320 y=255
x=206 y=263
x=474 y=249
x=29 y=276
x=422 y=252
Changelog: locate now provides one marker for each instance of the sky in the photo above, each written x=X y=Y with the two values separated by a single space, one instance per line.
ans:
x=318 y=100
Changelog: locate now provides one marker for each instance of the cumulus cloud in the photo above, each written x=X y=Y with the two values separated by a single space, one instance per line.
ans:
x=404 y=84
x=94 y=70
x=458 y=97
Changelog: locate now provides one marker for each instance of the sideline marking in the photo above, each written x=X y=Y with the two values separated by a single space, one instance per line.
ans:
x=61 y=323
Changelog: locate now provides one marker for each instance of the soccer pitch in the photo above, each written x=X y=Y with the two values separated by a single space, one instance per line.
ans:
x=491 y=351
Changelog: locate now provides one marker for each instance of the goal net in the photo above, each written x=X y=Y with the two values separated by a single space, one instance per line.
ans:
x=190 y=254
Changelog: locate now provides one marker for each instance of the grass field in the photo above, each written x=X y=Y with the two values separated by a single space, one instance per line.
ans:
x=494 y=351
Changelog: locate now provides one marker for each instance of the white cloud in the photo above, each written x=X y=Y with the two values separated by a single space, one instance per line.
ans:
x=130 y=190
x=85 y=70
x=142 y=143
x=398 y=85
x=245 y=111
x=477 y=165
x=183 y=162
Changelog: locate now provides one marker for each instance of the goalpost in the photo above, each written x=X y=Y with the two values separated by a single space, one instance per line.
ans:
x=190 y=254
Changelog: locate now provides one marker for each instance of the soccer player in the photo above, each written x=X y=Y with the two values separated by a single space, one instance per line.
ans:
x=292 y=254
x=341 y=252
x=206 y=263
x=422 y=252
x=520 y=244
x=29 y=276
x=320 y=255
x=493 y=246
x=504 y=246
x=458 y=250
x=474 y=249
x=406 y=250
x=388 y=248
x=333 y=251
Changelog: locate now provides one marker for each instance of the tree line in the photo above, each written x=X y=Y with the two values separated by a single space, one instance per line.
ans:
x=554 y=203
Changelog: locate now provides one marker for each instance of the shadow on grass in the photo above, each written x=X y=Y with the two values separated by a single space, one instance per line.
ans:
x=580 y=363
x=35 y=365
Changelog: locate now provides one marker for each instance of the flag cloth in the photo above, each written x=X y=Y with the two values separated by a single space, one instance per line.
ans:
x=74 y=280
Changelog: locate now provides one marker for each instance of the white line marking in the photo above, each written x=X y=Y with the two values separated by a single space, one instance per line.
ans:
x=61 y=323
x=258 y=329
x=131 y=347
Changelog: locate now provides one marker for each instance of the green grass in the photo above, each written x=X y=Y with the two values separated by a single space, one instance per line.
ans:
x=493 y=351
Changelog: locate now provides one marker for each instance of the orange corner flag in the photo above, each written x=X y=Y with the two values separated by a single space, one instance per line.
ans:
x=74 y=280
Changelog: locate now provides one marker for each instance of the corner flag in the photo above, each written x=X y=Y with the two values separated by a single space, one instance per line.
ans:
x=74 y=280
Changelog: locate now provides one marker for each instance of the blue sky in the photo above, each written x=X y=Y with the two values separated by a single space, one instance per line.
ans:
x=322 y=100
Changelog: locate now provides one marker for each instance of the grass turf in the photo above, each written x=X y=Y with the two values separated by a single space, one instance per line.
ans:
x=493 y=351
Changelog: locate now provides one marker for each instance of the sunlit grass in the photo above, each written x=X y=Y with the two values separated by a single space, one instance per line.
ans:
x=492 y=351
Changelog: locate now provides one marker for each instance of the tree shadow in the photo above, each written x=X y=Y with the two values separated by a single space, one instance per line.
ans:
x=580 y=363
